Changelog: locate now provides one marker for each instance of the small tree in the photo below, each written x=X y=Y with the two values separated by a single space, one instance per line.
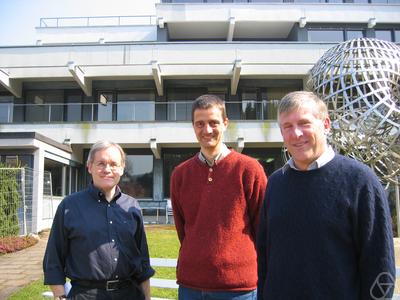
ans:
x=9 y=199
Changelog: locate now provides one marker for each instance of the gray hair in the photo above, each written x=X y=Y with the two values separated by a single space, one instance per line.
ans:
x=297 y=100
x=101 y=145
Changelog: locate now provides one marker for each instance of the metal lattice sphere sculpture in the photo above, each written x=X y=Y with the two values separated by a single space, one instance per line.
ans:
x=360 y=82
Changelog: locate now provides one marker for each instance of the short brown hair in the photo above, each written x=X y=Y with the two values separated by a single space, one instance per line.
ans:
x=296 y=100
x=207 y=101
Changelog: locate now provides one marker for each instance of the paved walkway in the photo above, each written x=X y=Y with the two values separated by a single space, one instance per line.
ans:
x=20 y=268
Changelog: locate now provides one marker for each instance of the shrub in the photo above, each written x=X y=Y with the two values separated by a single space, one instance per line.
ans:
x=10 y=244
x=9 y=198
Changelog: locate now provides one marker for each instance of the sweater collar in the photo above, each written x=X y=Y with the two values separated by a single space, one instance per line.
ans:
x=224 y=152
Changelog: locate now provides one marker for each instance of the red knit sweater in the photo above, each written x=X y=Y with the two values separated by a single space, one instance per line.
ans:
x=216 y=215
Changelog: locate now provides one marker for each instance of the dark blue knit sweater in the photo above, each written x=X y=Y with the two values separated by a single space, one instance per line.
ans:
x=325 y=234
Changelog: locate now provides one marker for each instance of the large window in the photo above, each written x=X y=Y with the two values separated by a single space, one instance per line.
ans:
x=56 y=177
x=269 y=158
x=385 y=35
x=44 y=106
x=73 y=109
x=328 y=35
x=136 y=106
x=137 y=180
x=6 y=109
x=17 y=160
x=334 y=34
x=105 y=106
x=172 y=158
x=181 y=109
x=251 y=110
x=354 y=34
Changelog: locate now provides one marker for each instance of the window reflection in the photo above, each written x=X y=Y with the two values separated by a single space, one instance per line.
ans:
x=136 y=106
x=269 y=158
x=171 y=159
x=137 y=180
x=104 y=107
x=354 y=34
x=56 y=170
x=397 y=36
x=74 y=106
x=319 y=35
x=45 y=106
x=385 y=35
x=6 y=109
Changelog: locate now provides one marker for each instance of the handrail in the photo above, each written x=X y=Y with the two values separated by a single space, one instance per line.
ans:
x=58 y=22
x=280 y=1
x=126 y=111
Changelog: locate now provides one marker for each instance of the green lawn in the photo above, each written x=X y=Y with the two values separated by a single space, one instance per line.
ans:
x=163 y=243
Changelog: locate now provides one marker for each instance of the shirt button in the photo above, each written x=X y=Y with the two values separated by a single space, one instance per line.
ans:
x=112 y=240
x=110 y=222
x=115 y=259
x=210 y=169
x=109 y=205
x=99 y=201
x=116 y=276
x=209 y=179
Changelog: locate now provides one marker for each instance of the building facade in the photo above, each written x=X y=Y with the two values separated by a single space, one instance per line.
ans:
x=131 y=79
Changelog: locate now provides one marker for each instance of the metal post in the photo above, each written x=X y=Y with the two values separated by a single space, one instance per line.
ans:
x=397 y=199
x=23 y=199
x=51 y=196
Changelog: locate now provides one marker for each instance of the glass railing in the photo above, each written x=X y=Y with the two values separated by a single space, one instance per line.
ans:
x=128 y=111
x=285 y=1
x=97 y=21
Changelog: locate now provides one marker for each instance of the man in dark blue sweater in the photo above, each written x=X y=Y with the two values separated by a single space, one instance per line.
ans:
x=325 y=228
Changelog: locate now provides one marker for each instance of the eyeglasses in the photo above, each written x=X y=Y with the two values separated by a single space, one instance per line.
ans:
x=101 y=165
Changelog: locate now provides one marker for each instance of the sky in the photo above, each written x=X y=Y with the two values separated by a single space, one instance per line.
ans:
x=18 y=18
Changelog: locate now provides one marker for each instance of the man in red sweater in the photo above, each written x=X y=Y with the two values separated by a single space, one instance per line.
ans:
x=216 y=197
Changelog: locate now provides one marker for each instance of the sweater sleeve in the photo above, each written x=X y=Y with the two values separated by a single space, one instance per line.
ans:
x=176 y=208
x=255 y=197
x=375 y=241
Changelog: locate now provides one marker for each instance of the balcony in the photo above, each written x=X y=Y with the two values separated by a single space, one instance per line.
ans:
x=128 y=111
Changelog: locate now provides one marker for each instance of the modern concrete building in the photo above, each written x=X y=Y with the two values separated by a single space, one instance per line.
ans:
x=131 y=79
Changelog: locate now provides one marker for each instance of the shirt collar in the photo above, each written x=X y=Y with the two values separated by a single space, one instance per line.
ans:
x=223 y=153
x=97 y=194
x=326 y=157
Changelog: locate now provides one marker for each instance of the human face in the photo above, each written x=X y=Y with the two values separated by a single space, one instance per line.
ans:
x=304 y=135
x=209 y=127
x=106 y=169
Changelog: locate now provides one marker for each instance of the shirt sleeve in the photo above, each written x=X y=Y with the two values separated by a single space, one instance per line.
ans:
x=178 y=215
x=145 y=270
x=262 y=250
x=56 y=250
x=375 y=241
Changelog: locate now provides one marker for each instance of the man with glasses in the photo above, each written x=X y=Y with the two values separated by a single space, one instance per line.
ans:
x=97 y=238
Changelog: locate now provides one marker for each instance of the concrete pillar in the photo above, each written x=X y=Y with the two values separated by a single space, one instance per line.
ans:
x=158 y=184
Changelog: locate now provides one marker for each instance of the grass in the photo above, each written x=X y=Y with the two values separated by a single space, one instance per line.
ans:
x=163 y=243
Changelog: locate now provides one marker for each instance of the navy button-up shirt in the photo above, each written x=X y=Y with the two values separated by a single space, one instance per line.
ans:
x=93 y=239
